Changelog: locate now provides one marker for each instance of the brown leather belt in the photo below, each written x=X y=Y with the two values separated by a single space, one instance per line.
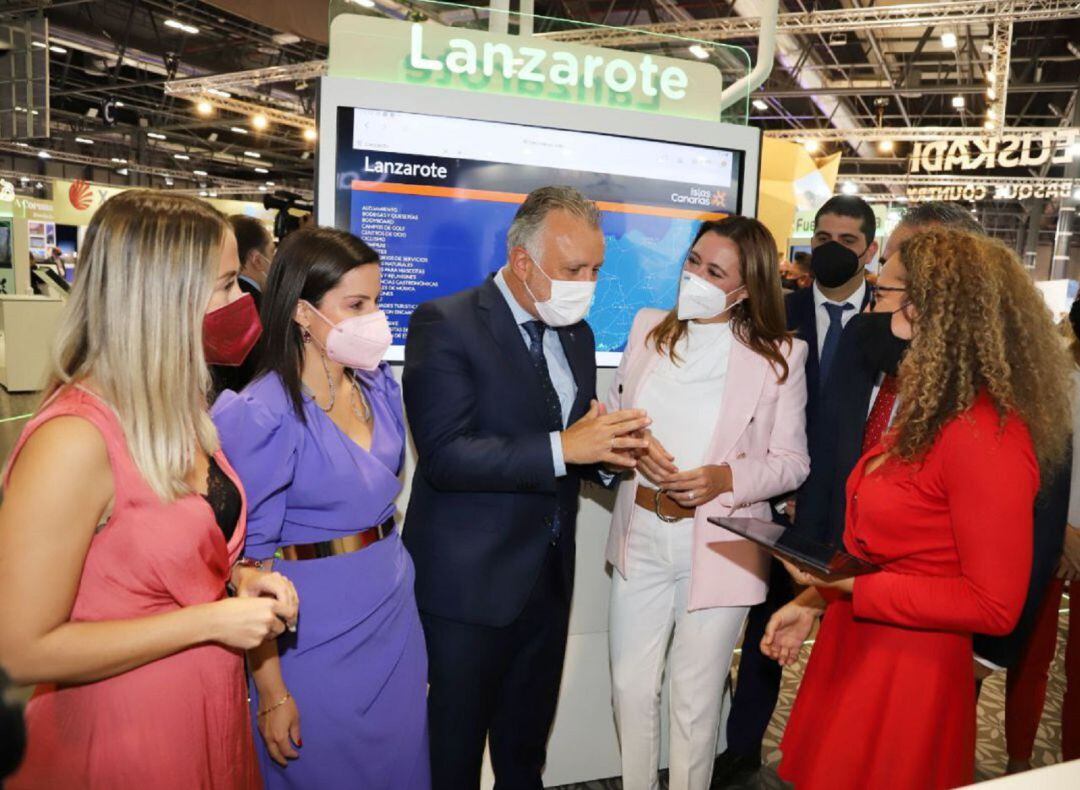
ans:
x=666 y=508
x=345 y=545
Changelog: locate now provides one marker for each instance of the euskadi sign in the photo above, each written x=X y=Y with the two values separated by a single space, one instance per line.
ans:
x=428 y=54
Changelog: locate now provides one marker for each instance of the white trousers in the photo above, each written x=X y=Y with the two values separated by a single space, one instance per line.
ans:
x=650 y=626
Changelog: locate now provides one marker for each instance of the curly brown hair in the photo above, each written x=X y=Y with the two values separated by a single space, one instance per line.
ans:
x=979 y=324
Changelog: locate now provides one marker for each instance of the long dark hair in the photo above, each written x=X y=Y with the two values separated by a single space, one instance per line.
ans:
x=309 y=262
x=758 y=321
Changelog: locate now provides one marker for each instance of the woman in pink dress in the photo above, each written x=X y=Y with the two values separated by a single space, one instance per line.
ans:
x=113 y=579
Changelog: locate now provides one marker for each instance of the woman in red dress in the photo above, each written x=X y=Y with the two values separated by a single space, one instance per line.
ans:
x=944 y=505
x=113 y=577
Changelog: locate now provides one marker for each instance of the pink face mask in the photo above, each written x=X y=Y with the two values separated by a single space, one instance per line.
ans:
x=360 y=342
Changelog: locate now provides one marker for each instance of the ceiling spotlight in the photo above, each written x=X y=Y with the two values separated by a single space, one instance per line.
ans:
x=988 y=124
x=261 y=170
x=885 y=146
x=958 y=102
x=217 y=92
x=202 y=193
x=991 y=113
x=84 y=140
x=181 y=157
x=58 y=50
x=760 y=104
x=271 y=184
x=118 y=161
x=259 y=121
x=198 y=172
x=119 y=104
x=122 y=171
x=238 y=129
x=44 y=154
x=310 y=135
x=991 y=94
x=252 y=154
x=811 y=146
x=168 y=182
x=699 y=51
x=849 y=188
x=213 y=193
x=262 y=188
x=177 y=25
x=40 y=44
x=204 y=107
x=948 y=40
x=156 y=135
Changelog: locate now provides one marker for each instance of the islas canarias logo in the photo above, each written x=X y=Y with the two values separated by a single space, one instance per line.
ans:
x=80 y=195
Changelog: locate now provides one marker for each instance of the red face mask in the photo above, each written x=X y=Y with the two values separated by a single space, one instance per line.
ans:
x=230 y=332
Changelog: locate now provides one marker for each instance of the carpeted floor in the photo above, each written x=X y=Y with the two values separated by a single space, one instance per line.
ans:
x=990 y=756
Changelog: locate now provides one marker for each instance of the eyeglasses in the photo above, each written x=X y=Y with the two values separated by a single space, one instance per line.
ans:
x=877 y=290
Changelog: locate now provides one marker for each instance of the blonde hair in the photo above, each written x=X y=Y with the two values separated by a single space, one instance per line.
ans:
x=980 y=326
x=133 y=323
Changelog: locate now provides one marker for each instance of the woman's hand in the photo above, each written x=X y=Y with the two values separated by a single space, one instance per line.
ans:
x=696 y=487
x=655 y=462
x=255 y=583
x=245 y=623
x=280 y=728
x=807 y=579
x=786 y=632
x=1069 y=565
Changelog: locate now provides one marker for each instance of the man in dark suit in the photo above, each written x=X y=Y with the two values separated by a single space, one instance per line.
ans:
x=843 y=244
x=493 y=375
x=255 y=248
x=860 y=390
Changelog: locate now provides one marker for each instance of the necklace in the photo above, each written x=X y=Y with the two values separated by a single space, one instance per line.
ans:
x=356 y=396
x=364 y=412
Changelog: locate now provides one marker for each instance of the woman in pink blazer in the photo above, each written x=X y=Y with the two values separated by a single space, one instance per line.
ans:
x=724 y=383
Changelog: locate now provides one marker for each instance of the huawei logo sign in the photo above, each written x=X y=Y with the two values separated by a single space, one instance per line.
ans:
x=80 y=195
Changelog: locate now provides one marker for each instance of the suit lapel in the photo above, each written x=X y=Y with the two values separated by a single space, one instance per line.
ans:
x=743 y=385
x=583 y=368
x=496 y=315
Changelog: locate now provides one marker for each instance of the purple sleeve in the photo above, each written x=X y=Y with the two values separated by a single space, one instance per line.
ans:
x=261 y=447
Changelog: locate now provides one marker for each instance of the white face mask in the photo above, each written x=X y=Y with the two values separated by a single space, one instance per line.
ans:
x=570 y=300
x=699 y=298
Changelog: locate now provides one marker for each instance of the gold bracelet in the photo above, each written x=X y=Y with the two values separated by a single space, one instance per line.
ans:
x=275 y=706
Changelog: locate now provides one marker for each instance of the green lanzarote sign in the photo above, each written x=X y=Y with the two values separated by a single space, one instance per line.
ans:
x=386 y=50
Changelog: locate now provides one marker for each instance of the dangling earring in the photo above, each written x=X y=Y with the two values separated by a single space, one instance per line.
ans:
x=305 y=336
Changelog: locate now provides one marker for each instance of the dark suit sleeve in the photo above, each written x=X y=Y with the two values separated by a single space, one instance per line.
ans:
x=1051 y=516
x=441 y=403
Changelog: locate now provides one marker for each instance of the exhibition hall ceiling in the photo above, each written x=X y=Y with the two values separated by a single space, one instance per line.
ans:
x=848 y=73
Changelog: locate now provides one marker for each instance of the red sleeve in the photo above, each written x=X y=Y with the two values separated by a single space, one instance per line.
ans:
x=990 y=478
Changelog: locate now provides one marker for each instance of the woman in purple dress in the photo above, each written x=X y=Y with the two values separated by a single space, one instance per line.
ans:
x=318 y=441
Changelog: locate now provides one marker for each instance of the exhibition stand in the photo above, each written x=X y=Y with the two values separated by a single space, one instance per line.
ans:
x=431 y=136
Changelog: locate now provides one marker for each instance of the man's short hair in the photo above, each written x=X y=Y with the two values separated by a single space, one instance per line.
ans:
x=538 y=204
x=250 y=235
x=802 y=260
x=850 y=206
x=946 y=214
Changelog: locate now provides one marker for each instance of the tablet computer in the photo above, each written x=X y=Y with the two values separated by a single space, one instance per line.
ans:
x=800 y=550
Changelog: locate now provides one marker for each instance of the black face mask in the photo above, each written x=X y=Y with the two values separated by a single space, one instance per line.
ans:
x=881 y=350
x=833 y=264
x=790 y=283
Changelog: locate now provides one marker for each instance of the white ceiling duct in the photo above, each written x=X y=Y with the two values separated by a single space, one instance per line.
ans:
x=788 y=50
